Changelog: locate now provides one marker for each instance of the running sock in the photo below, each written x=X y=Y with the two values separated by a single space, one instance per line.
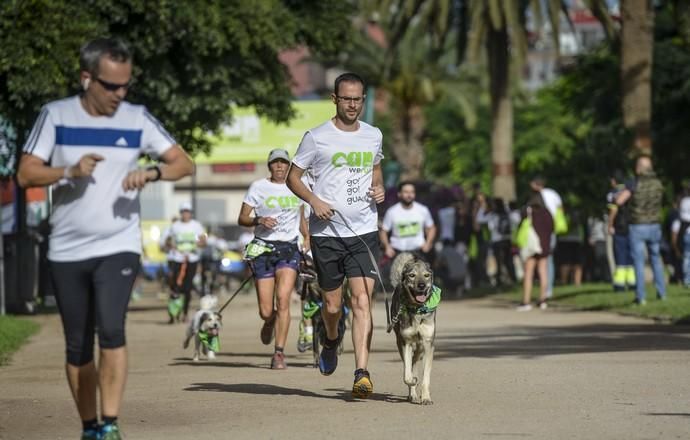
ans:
x=278 y=349
x=89 y=424
x=330 y=343
x=109 y=420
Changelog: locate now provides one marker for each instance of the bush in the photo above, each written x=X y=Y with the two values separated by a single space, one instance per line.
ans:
x=13 y=333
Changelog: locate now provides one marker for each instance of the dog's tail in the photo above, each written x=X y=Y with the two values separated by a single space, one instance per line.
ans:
x=397 y=267
x=208 y=302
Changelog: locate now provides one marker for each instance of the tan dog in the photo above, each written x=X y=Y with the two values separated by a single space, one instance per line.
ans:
x=413 y=312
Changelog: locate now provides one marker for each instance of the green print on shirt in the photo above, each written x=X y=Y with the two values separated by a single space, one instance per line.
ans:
x=360 y=159
x=283 y=202
x=408 y=229
x=185 y=241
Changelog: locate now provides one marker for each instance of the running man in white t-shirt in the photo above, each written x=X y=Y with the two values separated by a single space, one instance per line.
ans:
x=409 y=224
x=277 y=222
x=87 y=148
x=183 y=241
x=344 y=155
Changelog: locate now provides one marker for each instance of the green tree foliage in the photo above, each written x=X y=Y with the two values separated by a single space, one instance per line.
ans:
x=192 y=58
x=414 y=73
x=572 y=131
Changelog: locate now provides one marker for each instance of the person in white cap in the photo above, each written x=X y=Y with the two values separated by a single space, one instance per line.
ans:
x=278 y=220
x=183 y=240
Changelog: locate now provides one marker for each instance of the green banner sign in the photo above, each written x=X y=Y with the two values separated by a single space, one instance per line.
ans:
x=250 y=138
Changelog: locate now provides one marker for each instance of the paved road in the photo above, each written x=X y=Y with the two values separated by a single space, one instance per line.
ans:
x=497 y=374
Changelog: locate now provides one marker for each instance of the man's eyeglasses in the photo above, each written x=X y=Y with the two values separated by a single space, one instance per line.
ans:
x=357 y=100
x=112 y=87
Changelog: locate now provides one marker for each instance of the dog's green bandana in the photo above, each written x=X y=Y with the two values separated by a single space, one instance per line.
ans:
x=175 y=305
x=431 y=303
x=211 y=343
x=310 y=309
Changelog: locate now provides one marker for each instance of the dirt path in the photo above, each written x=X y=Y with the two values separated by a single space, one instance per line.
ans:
x=497 y=374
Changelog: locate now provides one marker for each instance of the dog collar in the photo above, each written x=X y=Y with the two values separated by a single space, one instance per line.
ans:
x=211 y=342
x=431 y=303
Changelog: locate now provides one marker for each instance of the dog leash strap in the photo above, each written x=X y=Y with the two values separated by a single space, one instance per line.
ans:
x=246 y=280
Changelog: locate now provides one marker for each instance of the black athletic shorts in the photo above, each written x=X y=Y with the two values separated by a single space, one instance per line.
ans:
x=338 y=257
x=92 y=295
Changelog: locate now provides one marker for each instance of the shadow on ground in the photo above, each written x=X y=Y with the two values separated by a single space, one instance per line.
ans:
x=273 y=390
x=534 y=342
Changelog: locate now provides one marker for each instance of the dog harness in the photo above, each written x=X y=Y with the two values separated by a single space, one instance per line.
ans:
x=429 y=306
x=310 y=309
x=211 y=343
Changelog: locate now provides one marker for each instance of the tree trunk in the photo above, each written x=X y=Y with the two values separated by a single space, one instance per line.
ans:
x=637 y=42
x=503 y=172
x=408 y=130
x=682 y=15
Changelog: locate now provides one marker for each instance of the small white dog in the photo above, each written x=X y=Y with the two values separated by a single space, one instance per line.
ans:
x=205 y=328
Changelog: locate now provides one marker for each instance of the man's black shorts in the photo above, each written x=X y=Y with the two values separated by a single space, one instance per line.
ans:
x=339 y=257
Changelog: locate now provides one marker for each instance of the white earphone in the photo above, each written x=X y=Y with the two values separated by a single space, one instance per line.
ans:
x=85 y=84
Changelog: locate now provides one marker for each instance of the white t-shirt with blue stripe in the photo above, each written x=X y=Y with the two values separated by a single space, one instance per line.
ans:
x=95 y=216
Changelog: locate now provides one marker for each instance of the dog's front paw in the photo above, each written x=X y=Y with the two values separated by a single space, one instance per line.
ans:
x=427 y=401
x=414 y=399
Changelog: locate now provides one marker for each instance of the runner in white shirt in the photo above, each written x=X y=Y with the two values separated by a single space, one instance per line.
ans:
x=344 y=155
x=409 y=224
x=553 y=203
x=183 y=240
x=278 y=219
x=87 y=147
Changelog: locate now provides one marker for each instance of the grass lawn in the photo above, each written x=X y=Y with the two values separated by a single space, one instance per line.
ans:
x=675 y=309
x=13 y=333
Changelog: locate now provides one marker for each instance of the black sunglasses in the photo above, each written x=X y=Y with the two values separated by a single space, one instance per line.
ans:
x=112 y=87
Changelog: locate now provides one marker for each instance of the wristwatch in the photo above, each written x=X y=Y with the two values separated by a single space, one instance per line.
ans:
x=157 y=169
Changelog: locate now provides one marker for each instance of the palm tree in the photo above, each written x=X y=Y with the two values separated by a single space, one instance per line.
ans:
x=414 y=73
x=637 y=42
x=500 y=27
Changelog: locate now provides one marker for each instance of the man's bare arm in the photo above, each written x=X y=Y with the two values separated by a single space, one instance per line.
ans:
x=430 y=235
x=377 y=191
x=623 y=197
x=178 y=164
x=294 y=181
x=34 y=171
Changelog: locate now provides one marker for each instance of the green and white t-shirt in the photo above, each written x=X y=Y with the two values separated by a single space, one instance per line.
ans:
x=407 y=225
x=275 y=200
x=185 y=236
x=341 y=163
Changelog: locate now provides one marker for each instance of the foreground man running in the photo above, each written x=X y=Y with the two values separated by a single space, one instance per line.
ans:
x=344 y=155
x=87 y=148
